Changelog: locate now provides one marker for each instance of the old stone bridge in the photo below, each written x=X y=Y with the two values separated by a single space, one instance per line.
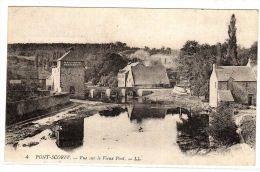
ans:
x=102 y=92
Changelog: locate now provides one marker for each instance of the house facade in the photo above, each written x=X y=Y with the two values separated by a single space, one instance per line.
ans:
x=68 y=75
x=143 y=77
x=233 y=84
x=124 y=76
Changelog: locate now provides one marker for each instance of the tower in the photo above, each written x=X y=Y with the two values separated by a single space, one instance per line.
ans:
x=68 y=75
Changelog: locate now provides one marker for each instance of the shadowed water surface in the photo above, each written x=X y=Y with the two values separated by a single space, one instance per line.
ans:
x=135 y=127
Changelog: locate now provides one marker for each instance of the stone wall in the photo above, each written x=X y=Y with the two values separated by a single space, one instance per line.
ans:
x=20 y=109
x=73 y=77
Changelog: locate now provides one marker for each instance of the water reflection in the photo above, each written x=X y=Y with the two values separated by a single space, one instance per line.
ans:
x=69 y=133
x=112 y=112
x=140 y=112
x=192 y=133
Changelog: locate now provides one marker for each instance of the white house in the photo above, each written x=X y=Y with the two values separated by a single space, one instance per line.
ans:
x=233 y=84
x=124 y=79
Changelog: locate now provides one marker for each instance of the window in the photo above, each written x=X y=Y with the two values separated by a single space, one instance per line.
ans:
x=215 y=84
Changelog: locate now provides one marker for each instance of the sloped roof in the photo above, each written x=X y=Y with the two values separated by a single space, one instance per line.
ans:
x=255 y=69
x=149 y=75
x=238 y=73
x=70 y=56
x=128 y=67
x=225 y=96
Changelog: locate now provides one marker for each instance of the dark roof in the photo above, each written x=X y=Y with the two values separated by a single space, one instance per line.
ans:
x=70 y=56
x=149 y=75
x=225 y=96
x=238 y=73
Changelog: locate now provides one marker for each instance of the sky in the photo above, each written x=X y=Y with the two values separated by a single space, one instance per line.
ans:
x=136 y=27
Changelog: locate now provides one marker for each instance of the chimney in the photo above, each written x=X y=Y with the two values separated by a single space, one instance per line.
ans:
x=249 y=62
x=214 y=67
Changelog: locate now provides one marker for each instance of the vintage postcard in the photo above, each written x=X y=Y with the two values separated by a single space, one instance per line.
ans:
x=131 y=86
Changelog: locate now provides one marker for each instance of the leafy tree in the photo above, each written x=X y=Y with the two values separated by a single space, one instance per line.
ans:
x=196 y=61
x=104 y=68
x=253 y=51
x=232 y=42
x=222 y=126
x=243 y=55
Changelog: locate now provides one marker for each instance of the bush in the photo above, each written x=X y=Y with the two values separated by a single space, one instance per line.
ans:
x=248 y=130
x=223 y=127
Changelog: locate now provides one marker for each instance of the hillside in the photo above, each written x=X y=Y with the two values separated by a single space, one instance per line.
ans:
x=99 y=58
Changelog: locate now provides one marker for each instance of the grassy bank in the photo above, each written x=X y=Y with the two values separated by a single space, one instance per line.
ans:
x=170 y=96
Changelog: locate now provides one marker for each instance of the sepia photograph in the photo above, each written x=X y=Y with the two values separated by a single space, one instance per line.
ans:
x=131 y=86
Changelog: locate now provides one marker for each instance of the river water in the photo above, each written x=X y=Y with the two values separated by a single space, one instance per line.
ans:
x=131 y=134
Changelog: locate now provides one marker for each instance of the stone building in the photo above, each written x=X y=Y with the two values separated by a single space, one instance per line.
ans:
x=123 y=79
x=143 y=76
x=233 y=84
x=68 y=75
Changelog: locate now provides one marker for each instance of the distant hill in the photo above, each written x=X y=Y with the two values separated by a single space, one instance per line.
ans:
x=46 y=53
x=96 y=57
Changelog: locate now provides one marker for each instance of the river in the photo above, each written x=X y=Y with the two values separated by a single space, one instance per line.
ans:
x=128 y=134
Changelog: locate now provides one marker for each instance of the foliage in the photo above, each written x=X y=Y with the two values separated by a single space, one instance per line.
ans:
x=105 y=68
x=23 y=91
x=196 y=61
x=253 y=51
x=47 y=53
x=232 y=42
x=248 y=130
x=161 y=50
x=222 y=126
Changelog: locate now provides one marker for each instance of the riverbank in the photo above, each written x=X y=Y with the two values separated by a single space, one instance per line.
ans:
x=246 y=121
x=18 y=132
x=131 y=131
x=178 y=99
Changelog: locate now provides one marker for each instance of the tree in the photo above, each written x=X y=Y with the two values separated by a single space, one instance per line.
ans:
x=253 y=51
x=197 y=61
x=222 y=126
x=232 y=42
x=104 y=68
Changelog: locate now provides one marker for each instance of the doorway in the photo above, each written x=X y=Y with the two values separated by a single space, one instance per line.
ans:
x=250 y=99
x=72 y=90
